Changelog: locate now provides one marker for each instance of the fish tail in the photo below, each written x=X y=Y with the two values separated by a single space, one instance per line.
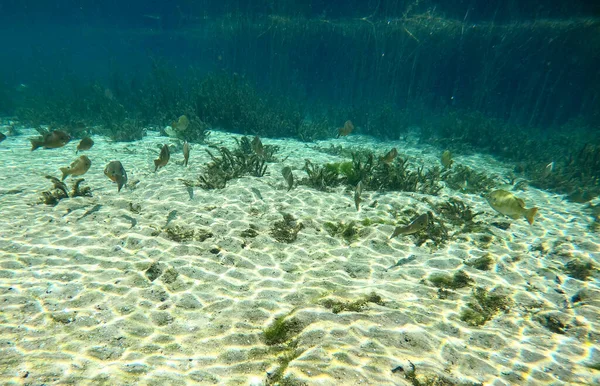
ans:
x=185 y=162
x=156 y=163
x=35 y=143
x=530 y=214
x=65 y=172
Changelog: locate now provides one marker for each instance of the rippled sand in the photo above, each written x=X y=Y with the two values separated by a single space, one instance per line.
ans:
x=78 y=306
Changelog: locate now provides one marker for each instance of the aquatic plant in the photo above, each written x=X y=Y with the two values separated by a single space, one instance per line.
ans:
x=59 y=191
x=460 y=279
x=181 y=234
x=320 y=177
x=337 y=306
x=483 y=306
x=286 y=230
x=465 y=179
x=457 y=212
x=483 y=263
x=436 y=231
x=281 y=330
x=230 y=165
x=347 y=231
x=579 y=270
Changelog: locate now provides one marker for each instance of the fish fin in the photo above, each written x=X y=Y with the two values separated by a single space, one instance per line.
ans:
x=65 y=172
x=35 y=143
x=530 y=214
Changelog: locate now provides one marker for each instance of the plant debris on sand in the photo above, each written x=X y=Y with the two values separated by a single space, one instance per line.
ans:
x=483 y=306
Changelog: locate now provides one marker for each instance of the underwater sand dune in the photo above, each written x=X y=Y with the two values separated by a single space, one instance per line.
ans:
x=253 y=284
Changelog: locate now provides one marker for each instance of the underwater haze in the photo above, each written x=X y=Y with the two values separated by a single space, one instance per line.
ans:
x=273 y=192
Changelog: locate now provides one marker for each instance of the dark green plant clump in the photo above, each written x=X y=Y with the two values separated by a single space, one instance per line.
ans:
x=436 y=231
x=181 y=234
x=457 y=212
x=579 y=270
x=358 y=305
x=483 y=306
x=442 y=280
x=232 y=164
x=465 y=179
x=483 y=263
x=286 y=230
x=59 y=191
x=320 y=177
x=282 y=330
x=349 y=231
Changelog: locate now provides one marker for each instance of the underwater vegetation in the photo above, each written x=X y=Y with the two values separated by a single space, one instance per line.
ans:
x=282 y=330
x=579 y=270
x=483 y=306
x=576 y=175
x=59 y=191
x=347 y=231
x=232 y=164
x=460 y=279
x=286 y=230
x=373 y=173
x=359 y=305
x=467 y=180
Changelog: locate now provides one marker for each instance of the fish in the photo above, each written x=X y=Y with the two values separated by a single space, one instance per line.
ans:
x=163 y=158
x=286 y=172
x=346 y=130
x=116 y=172
x=257 y=146
x=389 y=156
x=170 y=217
x=181 y=124
x=257 y=193
x=78 y=167
x=357 y=193
x=2 y=137
x=186 y=153
x=85 y=144
x=131 y=220
x=447 y=160
x=509 y=205
x=414 y=226
x=548 y=170
x=51 y=140
x=190 y=190
x=403 y=261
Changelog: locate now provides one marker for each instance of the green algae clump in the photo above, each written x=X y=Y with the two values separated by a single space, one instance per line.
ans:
x=442 y=280
x=483 y=306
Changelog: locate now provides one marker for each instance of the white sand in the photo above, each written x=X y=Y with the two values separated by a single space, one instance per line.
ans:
x=77 y=308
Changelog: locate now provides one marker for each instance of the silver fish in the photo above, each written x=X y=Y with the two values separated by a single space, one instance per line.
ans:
x=415 y=226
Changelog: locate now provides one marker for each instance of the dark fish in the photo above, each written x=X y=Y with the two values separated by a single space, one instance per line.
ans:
x=163 y=158
x=116 y=172
x=171 y=216
x=190 y=190
x=403 y=261
x=447 y=160
x=357 y=193
x=186 y=153
x=389 y=156
x=346 y=130
x=131 y=219
x=85 y=144
x=416 y=225
x=51 y=140
x=78 y=167
x=288 y=176
x=2 y=137
x=90 y=211
x=257 y=146
x=257 y=193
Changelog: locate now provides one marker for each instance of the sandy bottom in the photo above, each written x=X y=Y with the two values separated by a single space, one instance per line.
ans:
x=156 y=288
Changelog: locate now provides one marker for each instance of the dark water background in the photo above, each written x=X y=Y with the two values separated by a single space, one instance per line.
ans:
x=532 y=63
